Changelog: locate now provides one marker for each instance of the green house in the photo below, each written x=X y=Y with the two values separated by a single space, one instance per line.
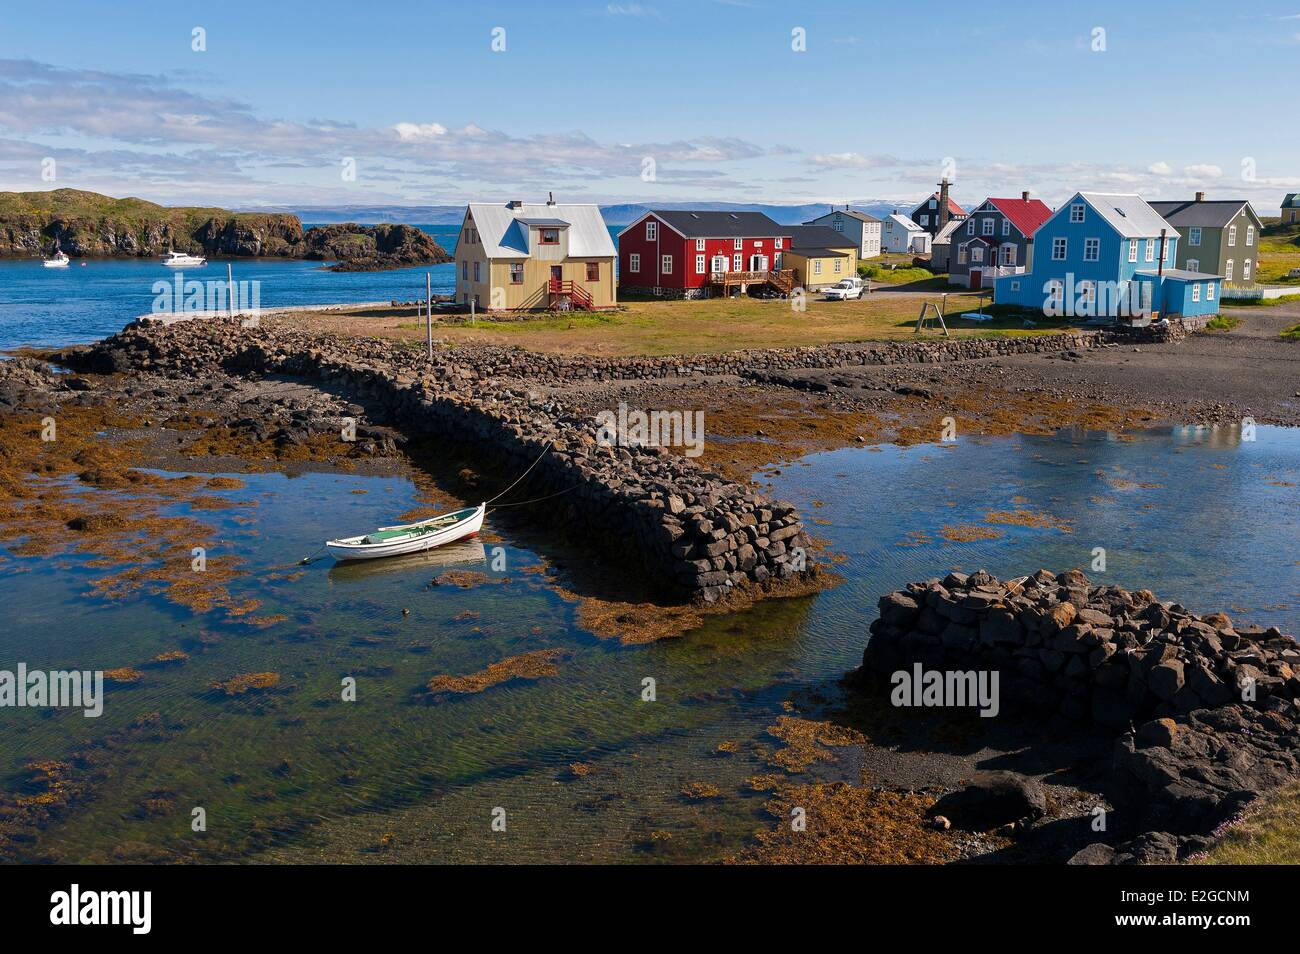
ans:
x=1291 y=209
x=1218 y=237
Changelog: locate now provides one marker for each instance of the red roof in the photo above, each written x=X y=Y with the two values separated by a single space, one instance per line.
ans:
x=953 y=207
x=1025 y=214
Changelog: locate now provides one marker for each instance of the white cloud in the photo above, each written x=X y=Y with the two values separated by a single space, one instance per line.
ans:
x=1203 y=171
x=1160 y=169
x=630 y=10
x=409 y=132
x=851 y=160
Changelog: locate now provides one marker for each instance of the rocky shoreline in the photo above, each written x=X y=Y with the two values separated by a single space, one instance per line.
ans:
x=1205 y=714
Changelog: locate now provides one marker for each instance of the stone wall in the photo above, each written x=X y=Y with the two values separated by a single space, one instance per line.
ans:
x=1205 y=711
x=694 y=533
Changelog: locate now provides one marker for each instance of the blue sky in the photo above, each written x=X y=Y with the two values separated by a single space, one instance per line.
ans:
x=1170 y=98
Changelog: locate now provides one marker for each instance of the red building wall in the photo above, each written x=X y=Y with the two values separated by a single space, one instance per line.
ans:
x=683 y=251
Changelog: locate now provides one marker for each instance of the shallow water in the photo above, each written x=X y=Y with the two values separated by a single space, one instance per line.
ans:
x=297 y=774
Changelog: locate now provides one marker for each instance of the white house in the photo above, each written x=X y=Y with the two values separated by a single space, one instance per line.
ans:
x=900 y=234
x=856 y=226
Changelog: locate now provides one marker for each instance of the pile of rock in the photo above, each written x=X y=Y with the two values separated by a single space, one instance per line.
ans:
x=694 y=532
x=1206 y=711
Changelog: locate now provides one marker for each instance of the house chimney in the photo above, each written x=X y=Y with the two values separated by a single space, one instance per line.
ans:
x=943 y=202
x=1024 y=196
x=515 y=204
x=1200 y=197
x=1160 y=269
x=550 y=198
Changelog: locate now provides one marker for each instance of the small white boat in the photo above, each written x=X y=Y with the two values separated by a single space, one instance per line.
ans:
x=60 y=260
x=409 y=537
x=177 y=259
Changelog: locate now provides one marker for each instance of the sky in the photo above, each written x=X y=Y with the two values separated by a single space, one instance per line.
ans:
x=290 y=103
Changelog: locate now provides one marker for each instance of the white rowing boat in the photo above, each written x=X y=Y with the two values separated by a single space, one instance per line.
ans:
x=409 y=537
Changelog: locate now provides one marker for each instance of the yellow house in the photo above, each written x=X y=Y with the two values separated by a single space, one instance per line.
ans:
x=534 y=256
x=819 y=256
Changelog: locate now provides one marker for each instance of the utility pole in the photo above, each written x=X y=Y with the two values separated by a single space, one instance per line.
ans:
x=230 y=289
x=428 y=315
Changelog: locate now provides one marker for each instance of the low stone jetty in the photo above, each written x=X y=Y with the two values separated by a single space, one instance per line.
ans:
x=692 y=532
x=1205 y=712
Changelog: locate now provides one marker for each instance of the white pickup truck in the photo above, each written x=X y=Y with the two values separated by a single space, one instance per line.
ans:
x=845 y=289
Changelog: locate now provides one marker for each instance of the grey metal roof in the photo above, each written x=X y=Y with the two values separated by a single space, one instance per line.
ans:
x=1213 y=214
x=503 y=230
x=1127 y=214
x=817 y=236
x=851 y=213
x=705 y=224
x=819 y=253
x=546 y=223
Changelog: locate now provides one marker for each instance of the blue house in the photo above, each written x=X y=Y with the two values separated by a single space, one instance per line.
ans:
x=1101 y=257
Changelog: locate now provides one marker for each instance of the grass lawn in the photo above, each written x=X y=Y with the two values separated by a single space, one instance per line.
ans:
x=1279 y=252
x=692 y=327
x=1292 y=333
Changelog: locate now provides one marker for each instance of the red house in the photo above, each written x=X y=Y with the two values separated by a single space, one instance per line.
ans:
x=684 y=254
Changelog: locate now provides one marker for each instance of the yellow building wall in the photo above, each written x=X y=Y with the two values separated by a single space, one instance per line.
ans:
x=804 y=268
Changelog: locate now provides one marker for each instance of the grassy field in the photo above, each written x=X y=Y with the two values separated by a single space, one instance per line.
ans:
x=1268 y=835
x=1279 y=252
x=692 y=327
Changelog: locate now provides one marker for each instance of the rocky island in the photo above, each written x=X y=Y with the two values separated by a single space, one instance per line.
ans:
x=90 y=225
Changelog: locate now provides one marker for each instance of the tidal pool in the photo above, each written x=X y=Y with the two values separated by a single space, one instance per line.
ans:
x=579 y=764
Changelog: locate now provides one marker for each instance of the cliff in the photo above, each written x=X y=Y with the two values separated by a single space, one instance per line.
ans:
x=86 y=224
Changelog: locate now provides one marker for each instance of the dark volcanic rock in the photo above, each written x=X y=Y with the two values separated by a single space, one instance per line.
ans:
x=993 y=799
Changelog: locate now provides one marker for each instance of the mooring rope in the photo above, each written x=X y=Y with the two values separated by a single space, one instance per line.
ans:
x=521 y=503
x=548 y=446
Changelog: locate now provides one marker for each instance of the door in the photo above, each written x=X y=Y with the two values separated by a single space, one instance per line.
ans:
x=976 y=278
x=719 y=263
x=758 y=263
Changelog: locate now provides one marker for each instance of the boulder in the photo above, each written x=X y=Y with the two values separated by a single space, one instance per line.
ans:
x=993 y=799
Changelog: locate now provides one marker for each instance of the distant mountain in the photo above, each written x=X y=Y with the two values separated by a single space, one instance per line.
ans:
x=620 y=214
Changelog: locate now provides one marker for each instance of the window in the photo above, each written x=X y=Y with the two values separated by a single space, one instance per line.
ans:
x=817 y=266
x=1196 y=291
x=1059 y=246
x=1193 y=264
x=1245 y=270
x=961 y=254
x=1227 y=272
x=737 y=243
x=1006 y=227
x=780 y=243
x=1209 y=291
x=970 y=227
x=651 y=231
x=1055 y=292
x=477 y=275
x=1015 y=286
x=1250 y=235
x=986 y=227
x=550 y=237
x=464 y=270
x=1092 y=249
x=758 y=244
x=925 y=219
x=667 y=265
x=699 y=245
x=934 y=203
x=1087 y=297
x=977 y=254
x=699 y=264
x=634 y=262
x=1232 y=235
x=837 y=225
x=1151 y=250
x=838 y=263
x=1008 y=255
x=1132 y=250
x=516 y=273
x=736 y=264
x=1194 y=236
x=1076 y=213
x=593 y=271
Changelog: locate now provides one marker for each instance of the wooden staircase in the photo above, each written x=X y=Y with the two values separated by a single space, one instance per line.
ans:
x=782 y=280
x=570 y=291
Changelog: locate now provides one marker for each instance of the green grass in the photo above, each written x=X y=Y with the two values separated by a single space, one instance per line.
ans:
x=1269 y=834
x=1279 y=252
x=895 y=276
x=1259 y=302
x=1292 y=333
x=1223 y=323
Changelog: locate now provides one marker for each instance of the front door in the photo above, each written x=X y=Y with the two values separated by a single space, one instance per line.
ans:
x=976 y=278
x=719 y=263
x=758 y=263
x=557 y=272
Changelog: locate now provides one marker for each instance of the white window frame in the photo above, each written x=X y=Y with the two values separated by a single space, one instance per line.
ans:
x=699 y=245
x=1062 y=244
x=1076 y=213
x=1209 y=291
x=666 y=265
x=1015 y=286
x=838 y=266
x=1245 y=270
x=699 y=264
x=1250 y=235
x=1232 y=236
x=737 y=262
x=1194 y=235
x=738 y=244
x=1227 y=272
x=817 y=266
x=1132 y=250
x=1193 y=264
x=988 y=226
x=1092 y=250
x=1196 y=291
x=1087 y=295
x=1055 y=291
x=1150 y=251
x=1008 y=255
x=961 y=254
x=651 y=231
x=780 y=243
x=977 y=255
x=1006 y=227
x=970 y=227
x=634 y=262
